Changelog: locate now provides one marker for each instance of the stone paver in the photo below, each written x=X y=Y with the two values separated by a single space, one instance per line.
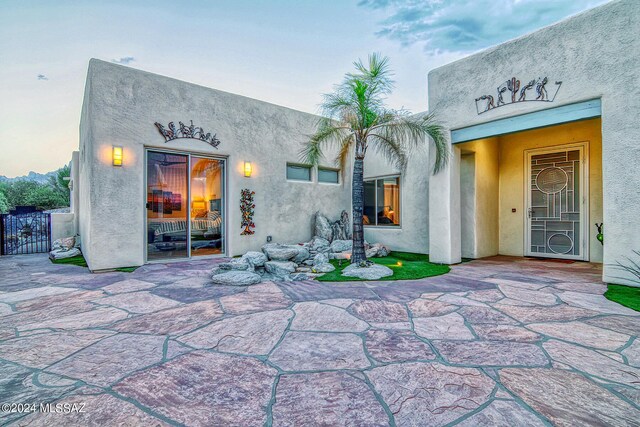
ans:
x=397 y=346
x=430 y=393
x=311 y=351
x=498 y=341
x=326 y=398
x=450 y=326
x=204 y=388
x=107 y=361
x=254 y=333
x=568 y=399
x=312 y=316
x=491 y=353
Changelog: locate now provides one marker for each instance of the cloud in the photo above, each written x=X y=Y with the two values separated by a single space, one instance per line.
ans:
x=42 y=77
x=124 y=60
x=467 y=26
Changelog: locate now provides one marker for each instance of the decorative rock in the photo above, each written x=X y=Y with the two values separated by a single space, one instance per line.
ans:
x=341 y=229
x=319 y=244
x=373 y=272
x=430 y=394
x=567 y=398
x=491 y=353
x=238 y=264
x=236 y=278
x=303 y=255
x=279 y=252
x=312 y=316
x=377 y=250
x=311 y=351
x=326 y=398
x=450 y=326
x=62 y=253
x=323 y=268
x=255 y=258
x=254 y=333
x=320 y=259
x=222 y=389
x=341 y=245
x=322 y=227
x=65 y=244
x=397 y=346
x=280 y=269
x=298 y=277
x=502 y=414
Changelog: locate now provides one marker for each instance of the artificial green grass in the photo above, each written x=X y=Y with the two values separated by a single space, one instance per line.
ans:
x=628 y=296
x=405 y=266
x=81 y=262
x=76 y=260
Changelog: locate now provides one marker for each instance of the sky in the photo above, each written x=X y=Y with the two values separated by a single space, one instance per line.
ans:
x=287 y=52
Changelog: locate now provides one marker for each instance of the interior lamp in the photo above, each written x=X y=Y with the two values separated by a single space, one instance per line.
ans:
x=117 y=156
x=247 y=169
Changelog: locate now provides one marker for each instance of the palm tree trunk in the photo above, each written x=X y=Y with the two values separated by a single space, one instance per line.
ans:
x=357 y=196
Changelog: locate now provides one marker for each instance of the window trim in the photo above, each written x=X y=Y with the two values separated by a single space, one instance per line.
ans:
x=400 y=184
x=299 y=165
x=327 y=168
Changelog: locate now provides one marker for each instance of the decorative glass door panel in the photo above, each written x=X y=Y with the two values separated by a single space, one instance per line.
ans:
x=555 y=204
x=207 y=194
x=167 y=206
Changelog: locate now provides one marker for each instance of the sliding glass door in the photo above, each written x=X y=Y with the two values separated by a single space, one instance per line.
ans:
x=184 y=205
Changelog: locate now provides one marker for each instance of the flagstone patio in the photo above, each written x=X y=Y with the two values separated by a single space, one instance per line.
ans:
x=499 y=341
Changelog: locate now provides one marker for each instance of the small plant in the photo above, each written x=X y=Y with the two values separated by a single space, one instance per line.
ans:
x=630 y=266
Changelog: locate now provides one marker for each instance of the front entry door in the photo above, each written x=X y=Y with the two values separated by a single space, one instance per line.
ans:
x=556 y=197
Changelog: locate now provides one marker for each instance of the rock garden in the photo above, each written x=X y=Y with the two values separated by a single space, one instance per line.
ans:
x=304 y=261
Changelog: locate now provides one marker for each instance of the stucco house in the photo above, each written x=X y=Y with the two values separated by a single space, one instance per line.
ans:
x=545 y=141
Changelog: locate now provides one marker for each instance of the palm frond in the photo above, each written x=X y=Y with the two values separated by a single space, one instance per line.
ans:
x=343 y=153
x=392 y=150
x=328 y=133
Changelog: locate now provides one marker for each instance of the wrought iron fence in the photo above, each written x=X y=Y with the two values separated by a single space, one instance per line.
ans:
x=25 y=233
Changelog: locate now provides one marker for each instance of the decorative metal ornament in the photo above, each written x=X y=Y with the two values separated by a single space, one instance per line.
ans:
x=600 y=235
x=171 y=132
x=246 y=208
x=487 y=102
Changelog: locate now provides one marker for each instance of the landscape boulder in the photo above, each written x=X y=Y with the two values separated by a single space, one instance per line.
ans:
x=341 y=245
x=279 y=252
x=302 y=255
x=370 y=272
x=235 y=264
x=64 y=253
x=320 y=259
x=255 y=258
x=280 y=269
x=323 y=268
x=323 y=227
x=235 y=278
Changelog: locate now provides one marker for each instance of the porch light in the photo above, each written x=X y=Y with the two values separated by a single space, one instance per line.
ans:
x=117 y=156
x=247 y=169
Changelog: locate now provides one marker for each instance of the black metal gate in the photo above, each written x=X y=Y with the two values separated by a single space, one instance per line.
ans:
x=25 y=232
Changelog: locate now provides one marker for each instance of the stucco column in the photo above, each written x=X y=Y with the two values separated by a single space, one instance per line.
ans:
x=444 y=211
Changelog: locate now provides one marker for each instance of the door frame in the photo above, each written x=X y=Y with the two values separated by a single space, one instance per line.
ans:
x=225 y=189
x=583 y=146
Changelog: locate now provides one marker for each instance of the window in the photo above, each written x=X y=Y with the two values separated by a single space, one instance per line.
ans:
x=298 y=172
x=327 y=175
x=382 y=201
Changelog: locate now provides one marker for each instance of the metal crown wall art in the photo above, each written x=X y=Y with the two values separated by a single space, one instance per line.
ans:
x=517 y=94
x=171 y=132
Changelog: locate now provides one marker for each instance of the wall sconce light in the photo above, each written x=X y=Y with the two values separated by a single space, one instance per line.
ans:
x=117 y=156
x=247 y=169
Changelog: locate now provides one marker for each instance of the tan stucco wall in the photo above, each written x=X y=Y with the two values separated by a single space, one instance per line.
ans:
x=479 y=228
x=512 y=175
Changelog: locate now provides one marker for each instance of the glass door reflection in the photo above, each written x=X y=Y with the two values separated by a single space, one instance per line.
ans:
x=167 y=206
x=207 y=196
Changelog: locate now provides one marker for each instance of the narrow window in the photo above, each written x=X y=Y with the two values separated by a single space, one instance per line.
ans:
x=298 y=172
x=327 y=175
x=382 y=201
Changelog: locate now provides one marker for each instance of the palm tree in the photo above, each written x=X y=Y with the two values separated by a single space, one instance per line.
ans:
x=355 y=118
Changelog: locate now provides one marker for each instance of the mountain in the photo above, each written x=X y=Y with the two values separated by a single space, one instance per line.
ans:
x=41 y=178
